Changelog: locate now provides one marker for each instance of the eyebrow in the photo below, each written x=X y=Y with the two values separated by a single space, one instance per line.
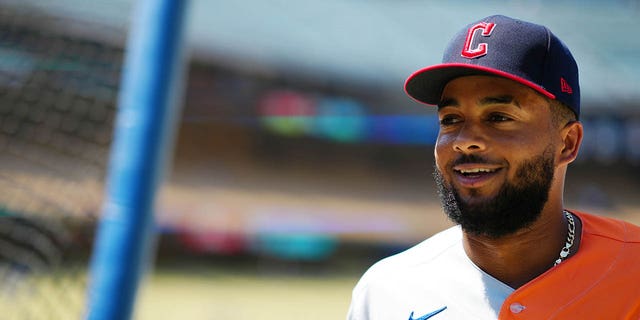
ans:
x=504 y=99
x=447 y=102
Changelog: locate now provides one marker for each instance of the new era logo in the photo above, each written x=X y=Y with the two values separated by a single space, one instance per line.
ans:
x=565 y=87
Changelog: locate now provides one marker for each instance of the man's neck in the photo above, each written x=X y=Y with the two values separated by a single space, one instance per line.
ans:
x=520 y=257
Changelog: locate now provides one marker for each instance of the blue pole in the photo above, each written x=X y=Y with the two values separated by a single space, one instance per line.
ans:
x=143 y=133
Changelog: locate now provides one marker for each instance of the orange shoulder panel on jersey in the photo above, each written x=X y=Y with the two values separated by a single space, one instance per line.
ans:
x=608 y=227
x=601 y=281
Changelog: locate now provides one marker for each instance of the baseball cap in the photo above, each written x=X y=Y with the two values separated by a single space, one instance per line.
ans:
x=501 y=46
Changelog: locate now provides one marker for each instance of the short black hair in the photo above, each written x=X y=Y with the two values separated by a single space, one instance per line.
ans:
x=561 y=114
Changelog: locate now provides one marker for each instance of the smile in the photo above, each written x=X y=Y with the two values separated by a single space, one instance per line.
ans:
x=474 y=175
x=476 y=170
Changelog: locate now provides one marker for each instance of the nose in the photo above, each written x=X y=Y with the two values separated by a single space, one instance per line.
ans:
x=469 y=139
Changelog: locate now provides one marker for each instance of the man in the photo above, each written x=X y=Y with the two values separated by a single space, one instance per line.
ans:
x=508 y=103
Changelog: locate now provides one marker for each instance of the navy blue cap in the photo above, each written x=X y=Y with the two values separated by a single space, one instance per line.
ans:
x=501 y=46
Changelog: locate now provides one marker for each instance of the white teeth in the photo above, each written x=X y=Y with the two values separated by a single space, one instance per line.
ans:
x=476 y=170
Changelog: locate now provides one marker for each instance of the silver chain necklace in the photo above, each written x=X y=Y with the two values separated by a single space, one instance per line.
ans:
x=570 y=237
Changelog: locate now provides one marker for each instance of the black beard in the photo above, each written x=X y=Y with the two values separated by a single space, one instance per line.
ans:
x=516 y=206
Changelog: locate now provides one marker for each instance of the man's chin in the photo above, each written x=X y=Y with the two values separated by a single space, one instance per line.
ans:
x=474 y=196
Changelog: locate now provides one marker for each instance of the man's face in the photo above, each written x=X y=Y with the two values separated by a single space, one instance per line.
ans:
x=495 y=154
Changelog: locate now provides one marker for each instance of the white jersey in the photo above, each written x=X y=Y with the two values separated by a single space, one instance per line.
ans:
x=432 y=280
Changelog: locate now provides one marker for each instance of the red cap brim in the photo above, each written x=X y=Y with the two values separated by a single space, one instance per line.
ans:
x=426 y=85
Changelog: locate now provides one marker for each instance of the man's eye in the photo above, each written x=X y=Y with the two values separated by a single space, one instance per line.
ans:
x=449 y=120
x=498 y=118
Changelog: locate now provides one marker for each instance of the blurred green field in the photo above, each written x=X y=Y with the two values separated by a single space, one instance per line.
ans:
x=187 y=292
x=213 y=293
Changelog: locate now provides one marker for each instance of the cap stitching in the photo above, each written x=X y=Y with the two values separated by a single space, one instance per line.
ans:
x=546 y=59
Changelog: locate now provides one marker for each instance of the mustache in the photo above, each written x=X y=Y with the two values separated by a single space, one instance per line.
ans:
x=469 y=158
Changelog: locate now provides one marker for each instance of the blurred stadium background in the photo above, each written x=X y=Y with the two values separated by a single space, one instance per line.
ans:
x=298 y=161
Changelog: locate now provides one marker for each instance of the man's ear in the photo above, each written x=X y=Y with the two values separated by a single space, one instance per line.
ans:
x=571 y=140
